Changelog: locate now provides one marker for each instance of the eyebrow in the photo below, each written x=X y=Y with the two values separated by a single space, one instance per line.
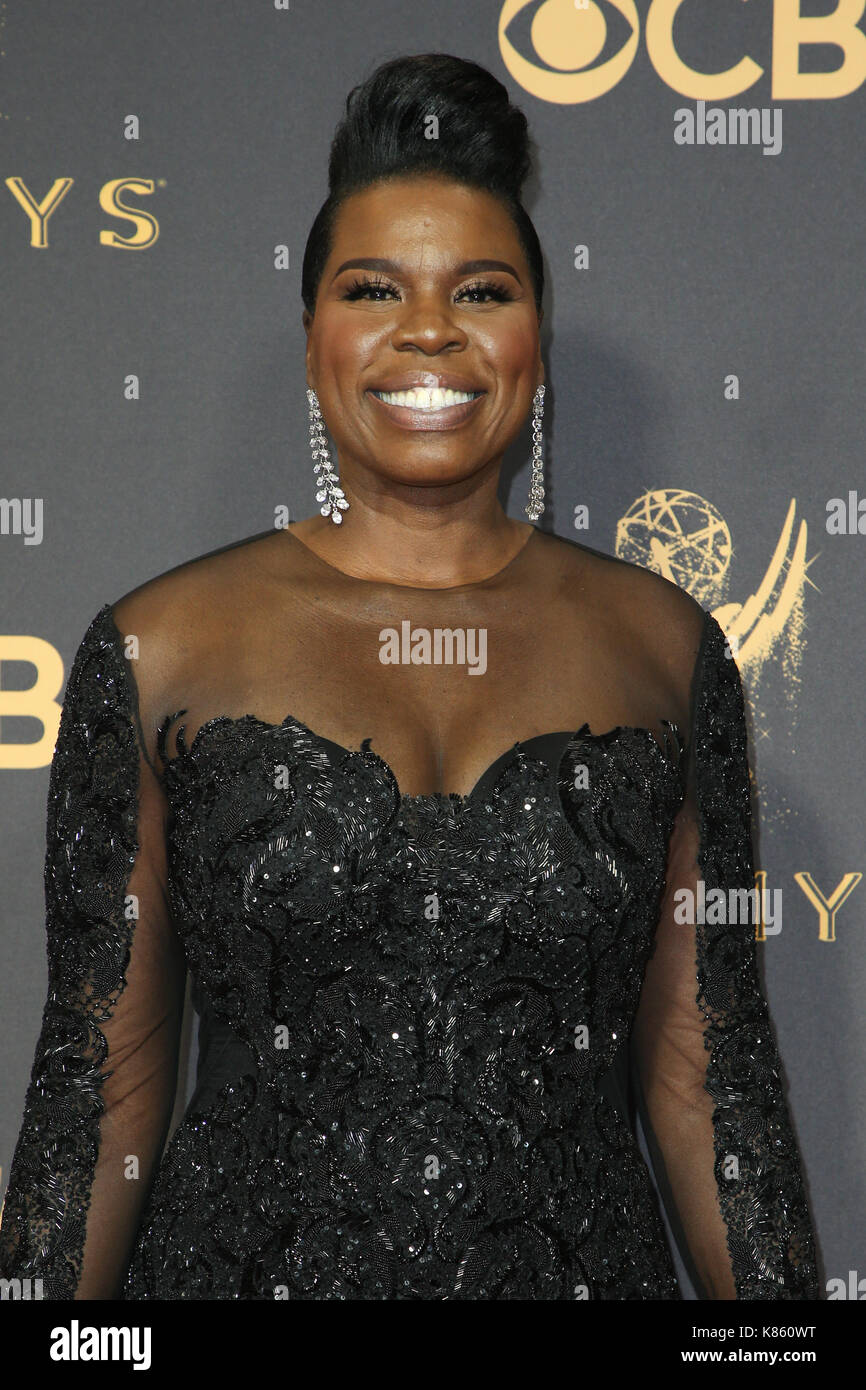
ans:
x=380 y=263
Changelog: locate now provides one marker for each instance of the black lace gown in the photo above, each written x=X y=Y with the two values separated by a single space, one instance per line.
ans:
x=438 y=957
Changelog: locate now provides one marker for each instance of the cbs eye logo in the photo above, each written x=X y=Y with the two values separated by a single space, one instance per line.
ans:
x=567 y=36
x=579 y=49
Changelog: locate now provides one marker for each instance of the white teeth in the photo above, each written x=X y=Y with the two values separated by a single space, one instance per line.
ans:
x=426 y=397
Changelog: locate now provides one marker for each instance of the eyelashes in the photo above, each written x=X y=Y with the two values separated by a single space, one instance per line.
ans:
x=359 y=289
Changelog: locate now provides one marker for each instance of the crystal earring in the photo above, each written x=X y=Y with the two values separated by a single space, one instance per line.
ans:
x=330 y=494
x=535 y=505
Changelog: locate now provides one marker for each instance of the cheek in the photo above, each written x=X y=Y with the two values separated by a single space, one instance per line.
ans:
x=343 y=350
x=512 y=352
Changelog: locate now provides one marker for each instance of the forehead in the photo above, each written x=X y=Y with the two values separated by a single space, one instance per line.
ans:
x=429 y=210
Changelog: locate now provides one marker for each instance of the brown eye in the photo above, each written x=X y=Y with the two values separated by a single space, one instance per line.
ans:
x=360 y=288
x=486 y=287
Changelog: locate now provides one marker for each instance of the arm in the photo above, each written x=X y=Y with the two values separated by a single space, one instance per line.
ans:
x=705 y=1056
x=104 y=1074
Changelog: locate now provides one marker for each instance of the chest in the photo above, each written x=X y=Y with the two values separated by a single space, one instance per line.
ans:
x=298 y=873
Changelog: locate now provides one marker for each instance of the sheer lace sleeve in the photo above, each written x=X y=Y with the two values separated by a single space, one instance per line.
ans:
x=705 y=1056
x=103 y=1080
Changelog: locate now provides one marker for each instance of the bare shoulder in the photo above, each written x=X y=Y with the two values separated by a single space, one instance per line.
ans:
x=179 y=614
x=646 y=594
x=660 y=623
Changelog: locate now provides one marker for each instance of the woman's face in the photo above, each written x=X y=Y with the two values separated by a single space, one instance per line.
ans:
x=423 y=315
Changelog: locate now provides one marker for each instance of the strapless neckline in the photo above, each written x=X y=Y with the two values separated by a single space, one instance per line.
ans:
x=337 y=752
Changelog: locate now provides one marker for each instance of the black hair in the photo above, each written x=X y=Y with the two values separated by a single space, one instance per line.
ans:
x=483 y=142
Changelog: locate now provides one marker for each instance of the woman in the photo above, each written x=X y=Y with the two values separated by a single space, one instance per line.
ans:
x=425 y=801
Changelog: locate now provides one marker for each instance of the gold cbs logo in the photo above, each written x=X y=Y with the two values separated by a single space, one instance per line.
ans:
x=569 y=35
x=40 y=701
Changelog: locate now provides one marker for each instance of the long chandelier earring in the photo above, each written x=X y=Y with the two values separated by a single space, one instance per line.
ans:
x=535 y=506
x=329 y=493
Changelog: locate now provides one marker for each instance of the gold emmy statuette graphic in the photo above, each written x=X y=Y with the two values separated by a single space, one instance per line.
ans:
x=683 y=537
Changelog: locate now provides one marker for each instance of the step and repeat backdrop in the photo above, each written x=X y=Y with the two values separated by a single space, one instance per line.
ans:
x=700 y=193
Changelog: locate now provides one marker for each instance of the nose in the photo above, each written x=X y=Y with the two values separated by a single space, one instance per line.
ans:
x=428 y=323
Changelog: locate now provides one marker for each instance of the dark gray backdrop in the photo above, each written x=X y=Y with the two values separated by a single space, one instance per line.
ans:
x=706 y=262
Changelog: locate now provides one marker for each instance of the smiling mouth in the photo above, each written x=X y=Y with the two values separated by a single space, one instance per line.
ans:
x=430 y=398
